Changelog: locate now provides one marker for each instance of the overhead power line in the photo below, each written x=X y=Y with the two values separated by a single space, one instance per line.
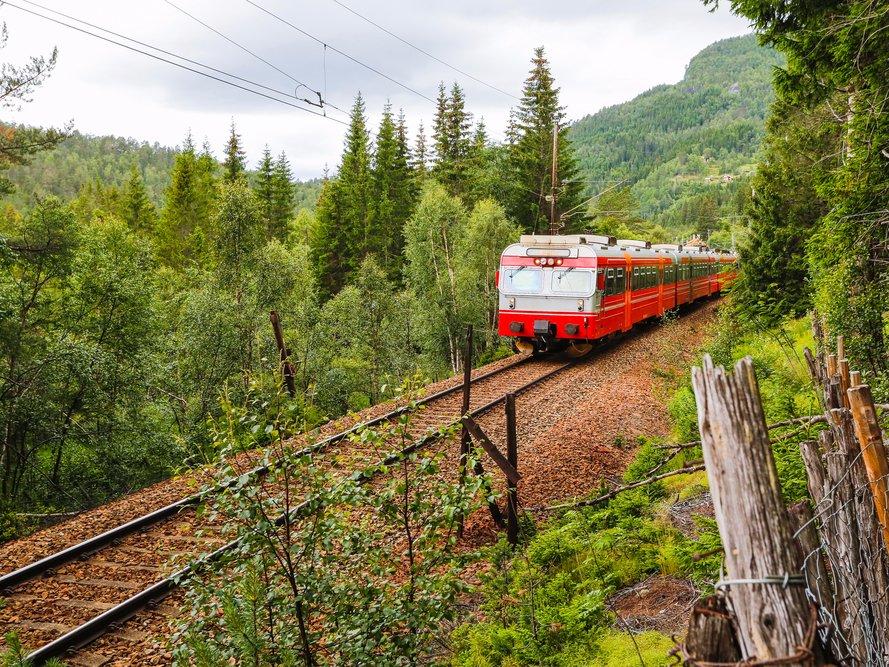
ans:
x=326 y=45
x=423 y=51
x=321 y=103
x=168 y=61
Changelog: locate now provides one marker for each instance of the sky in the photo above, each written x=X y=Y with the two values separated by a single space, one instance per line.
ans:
x=601 y=53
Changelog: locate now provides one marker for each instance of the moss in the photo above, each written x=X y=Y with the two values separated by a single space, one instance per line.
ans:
x=618 y=649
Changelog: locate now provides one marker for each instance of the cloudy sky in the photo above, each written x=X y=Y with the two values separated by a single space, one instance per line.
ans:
x=602 y=52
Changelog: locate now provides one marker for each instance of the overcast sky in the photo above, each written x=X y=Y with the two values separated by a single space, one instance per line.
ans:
x=602 y=52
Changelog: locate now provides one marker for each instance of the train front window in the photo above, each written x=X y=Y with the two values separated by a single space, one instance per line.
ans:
x=523 y=280
x=576 y=281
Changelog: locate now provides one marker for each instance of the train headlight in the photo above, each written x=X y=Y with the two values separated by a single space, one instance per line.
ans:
x=580 y=304
x=512 y=303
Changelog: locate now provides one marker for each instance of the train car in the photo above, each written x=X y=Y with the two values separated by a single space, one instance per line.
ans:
x=567 y=291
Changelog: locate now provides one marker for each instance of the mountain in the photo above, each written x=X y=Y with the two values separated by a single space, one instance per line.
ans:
x=690 y=140
x=83 y=159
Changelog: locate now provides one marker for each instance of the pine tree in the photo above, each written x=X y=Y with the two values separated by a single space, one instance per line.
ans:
x=343 y=210
x=235 y=163
x=264 y=189
x=283 y=197
x=136 y=208
x=530 y=152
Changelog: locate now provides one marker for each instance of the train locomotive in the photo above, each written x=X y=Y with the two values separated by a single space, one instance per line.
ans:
x=564 y=292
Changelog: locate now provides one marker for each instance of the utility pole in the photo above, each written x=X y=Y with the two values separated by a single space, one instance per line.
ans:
x=554 y=179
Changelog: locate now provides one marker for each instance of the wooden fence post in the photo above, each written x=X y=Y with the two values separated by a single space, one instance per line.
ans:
x=512 y=455
x=284 y=354
x=464 y=433
x=873 y=451
x=774 y=618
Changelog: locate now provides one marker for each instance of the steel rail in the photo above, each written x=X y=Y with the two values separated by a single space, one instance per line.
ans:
x=99 y=625
x=97 y=542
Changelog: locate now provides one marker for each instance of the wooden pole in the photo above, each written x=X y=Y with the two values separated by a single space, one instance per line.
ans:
x=554 y=178
x=512 y=455
x=774 y=621
x=464 y=433
x=873 y=451
x=284 y=354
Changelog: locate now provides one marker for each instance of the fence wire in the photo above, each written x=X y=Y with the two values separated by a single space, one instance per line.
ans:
x=847 y=572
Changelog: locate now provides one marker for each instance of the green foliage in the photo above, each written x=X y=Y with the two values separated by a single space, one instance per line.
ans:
x=486 y=233
x=431 y=236
x=15 y=656
x=547 y=603
x=188 y=201
x=136 y=208
x=831 y=127
x=79 y=335
x=327 y=586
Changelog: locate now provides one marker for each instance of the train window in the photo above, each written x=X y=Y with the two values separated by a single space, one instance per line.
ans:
x=620 y=282
x=609 y=282
x=523 y=279
x=572 y=280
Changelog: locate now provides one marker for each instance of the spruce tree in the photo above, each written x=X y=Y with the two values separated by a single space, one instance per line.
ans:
x=235 y=164
x=283 y=198
x=420 y=157
x=343 y=210
x=440 y=138
x=184 y=209
x=407 y=188
x=453 y=140
x=264 y=189
x=136 y=208
x=391 y=192
x=530 y=152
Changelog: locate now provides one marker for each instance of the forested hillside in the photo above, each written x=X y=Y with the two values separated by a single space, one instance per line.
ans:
x=136 y=283
x=685 y=150
x=84 y=161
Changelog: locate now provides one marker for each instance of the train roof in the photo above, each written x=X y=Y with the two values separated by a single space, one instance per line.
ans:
x=592 y=245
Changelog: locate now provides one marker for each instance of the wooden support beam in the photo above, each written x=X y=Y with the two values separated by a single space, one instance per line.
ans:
x=512 y=457
x=490 y=448
x=774 y=621
x=284 y=354
x=464 y=433
x=496 y=514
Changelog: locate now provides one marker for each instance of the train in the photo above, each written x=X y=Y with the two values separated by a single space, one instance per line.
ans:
x=565 y=292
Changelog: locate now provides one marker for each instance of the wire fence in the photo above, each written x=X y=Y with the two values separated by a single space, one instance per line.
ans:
x=809 y=584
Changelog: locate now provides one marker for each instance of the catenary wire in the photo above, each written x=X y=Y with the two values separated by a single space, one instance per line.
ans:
x=342 y=53
x=157 y=48
x=321 y=101
x=175 y=64
x=423 y=51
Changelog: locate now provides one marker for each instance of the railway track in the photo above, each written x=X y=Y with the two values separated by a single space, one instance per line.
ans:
x=67 y=599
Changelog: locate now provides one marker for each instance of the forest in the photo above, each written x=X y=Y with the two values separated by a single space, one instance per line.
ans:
x=137 y=281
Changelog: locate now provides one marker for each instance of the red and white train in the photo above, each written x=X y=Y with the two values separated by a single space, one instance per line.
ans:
x=559 y=292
